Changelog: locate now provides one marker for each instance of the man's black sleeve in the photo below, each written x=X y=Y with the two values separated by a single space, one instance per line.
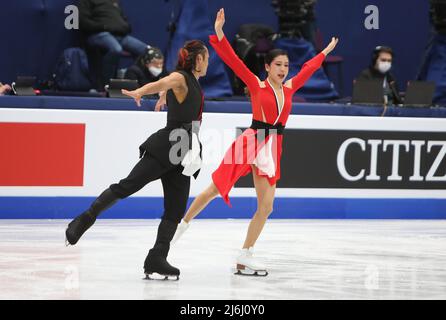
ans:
x=133 y=74
x=87 y=23
x=364 y=75
x=124 y=17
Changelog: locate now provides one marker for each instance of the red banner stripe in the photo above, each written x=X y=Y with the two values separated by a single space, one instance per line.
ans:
x=41 y=154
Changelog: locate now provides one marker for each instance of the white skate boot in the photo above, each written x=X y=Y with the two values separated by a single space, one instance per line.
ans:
x=247 y=265
x=182 y=227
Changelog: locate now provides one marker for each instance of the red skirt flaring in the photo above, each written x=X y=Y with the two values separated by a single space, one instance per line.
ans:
x=249 y=150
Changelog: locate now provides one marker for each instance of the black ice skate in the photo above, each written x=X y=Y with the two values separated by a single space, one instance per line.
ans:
x=77 y=228
x=157 y=268
x=82 y=223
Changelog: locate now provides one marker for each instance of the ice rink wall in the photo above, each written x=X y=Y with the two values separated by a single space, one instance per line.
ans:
x=53 y=163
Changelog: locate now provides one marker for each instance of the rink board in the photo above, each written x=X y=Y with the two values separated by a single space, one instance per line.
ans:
x=332 y=167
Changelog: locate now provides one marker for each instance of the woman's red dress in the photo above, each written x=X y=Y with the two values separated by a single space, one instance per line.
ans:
x=248 y=148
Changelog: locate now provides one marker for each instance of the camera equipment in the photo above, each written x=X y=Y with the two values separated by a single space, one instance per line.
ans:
x=293 y=15
x=438 y=15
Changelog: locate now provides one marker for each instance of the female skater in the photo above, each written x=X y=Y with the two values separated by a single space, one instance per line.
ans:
x=185 y=105
x=271 y=105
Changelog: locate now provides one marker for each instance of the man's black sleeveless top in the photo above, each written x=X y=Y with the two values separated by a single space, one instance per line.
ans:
x=179 y=115
x=190 y=109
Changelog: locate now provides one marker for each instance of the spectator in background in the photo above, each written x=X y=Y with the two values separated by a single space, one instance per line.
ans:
x=4 y=89
x=104 y=25
x=379 y=69
x=149 y=67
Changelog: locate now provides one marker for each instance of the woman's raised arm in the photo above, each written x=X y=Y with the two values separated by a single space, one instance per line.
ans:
x=227 y=54
x=312 y=65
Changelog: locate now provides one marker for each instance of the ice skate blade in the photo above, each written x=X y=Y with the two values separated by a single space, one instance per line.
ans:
x=67 y=243
x=161 y=277
x=259 y=273
x=244 y=271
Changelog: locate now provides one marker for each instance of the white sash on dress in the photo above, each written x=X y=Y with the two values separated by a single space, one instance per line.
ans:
x=264 y=159
x=192 y=160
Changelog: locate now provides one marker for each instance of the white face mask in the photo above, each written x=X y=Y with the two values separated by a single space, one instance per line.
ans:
x=155 y=71
x=385 y=66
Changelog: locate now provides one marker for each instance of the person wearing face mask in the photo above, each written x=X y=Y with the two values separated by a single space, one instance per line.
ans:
x=149 y=67
x=379 y=69
x=104 y=27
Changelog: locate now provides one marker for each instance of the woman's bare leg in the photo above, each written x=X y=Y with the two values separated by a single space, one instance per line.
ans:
x=265 y=199
x=201 y=202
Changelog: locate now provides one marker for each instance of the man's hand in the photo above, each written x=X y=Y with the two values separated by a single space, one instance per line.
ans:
x=160 y=104
x=4 y=88
x=133 y=94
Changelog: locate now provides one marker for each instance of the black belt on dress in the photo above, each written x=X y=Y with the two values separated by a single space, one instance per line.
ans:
x=267 y=126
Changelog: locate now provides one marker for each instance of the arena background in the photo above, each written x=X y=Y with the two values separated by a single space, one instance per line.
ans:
x=85 y=151
x=36 y=39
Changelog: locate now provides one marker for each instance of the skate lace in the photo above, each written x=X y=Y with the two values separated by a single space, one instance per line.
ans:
x=248 y=252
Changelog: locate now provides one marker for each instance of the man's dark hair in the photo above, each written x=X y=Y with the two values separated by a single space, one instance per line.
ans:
x=378 y=50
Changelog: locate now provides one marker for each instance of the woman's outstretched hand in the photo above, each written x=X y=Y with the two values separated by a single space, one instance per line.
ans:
x=331 y=46
x=219 y=22
x=133 y=94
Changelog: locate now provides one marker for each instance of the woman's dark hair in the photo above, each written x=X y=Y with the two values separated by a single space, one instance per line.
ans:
x=272 y=54
x=187 y=55
x=269 y=57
